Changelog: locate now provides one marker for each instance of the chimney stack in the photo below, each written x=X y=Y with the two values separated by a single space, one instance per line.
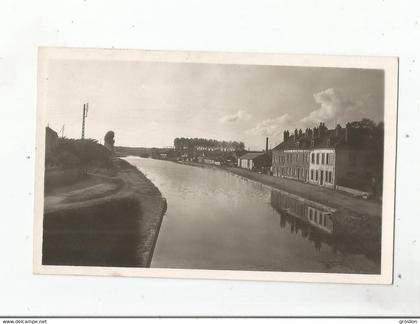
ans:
x=266 y=144
x=315 y=132
x=285 y=136
x=322 y=129
x=347 y=133
x=338 y=130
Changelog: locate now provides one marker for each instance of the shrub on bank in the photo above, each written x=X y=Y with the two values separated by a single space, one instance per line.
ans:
x=76 y=153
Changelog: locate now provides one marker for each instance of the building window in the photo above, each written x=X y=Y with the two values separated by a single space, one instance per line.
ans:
x=312 y=174
x=310 y=213
x=328 y=156
x=323 y=158
x=313 y=157
x=316 y=175
x=317 y=158
x=325 y=220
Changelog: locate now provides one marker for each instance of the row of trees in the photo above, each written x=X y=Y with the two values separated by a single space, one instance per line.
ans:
x=204 y=144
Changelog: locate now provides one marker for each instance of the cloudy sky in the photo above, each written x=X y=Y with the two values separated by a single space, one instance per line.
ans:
x=149 y=104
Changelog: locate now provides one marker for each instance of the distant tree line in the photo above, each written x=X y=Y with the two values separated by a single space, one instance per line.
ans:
x=203 y=144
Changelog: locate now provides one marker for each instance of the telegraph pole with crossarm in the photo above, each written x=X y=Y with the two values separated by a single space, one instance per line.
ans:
x=85 y=112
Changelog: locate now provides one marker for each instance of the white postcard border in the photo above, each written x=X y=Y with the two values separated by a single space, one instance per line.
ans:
x=388 y=64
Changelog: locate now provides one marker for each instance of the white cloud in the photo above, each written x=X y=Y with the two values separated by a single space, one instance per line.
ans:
x=333 y=108
x=274 y=126
x=239 y=115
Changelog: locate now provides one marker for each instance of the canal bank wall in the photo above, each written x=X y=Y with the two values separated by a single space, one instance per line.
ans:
x=118 y=228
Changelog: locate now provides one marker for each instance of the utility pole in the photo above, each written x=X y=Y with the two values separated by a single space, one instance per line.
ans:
x=84 y=166
x=85 y=112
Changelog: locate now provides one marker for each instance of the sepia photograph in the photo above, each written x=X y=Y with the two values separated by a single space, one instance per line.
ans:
x=215 y=165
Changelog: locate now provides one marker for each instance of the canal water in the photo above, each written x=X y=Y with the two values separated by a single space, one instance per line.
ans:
x=218 y=220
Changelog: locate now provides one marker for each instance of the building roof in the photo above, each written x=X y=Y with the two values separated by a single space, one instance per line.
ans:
x=357 y=138
x=251 y=155
x=50 y=131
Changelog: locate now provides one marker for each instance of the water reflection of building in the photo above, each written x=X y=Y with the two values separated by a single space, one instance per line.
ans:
x=303 y=210
x=320 y=225
x=320 y=219
x=309 y=220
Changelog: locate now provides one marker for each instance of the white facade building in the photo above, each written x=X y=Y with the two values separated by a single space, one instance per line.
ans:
x=322 y=167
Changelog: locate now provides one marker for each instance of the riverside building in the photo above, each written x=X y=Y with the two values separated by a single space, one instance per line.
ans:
x=347 y=158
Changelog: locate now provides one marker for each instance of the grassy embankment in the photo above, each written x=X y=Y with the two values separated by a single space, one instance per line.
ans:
x=108 y=217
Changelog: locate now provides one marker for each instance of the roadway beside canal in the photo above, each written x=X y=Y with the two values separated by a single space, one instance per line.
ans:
x=336 y=199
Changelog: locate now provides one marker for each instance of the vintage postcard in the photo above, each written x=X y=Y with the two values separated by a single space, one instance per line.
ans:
x=215 y=165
